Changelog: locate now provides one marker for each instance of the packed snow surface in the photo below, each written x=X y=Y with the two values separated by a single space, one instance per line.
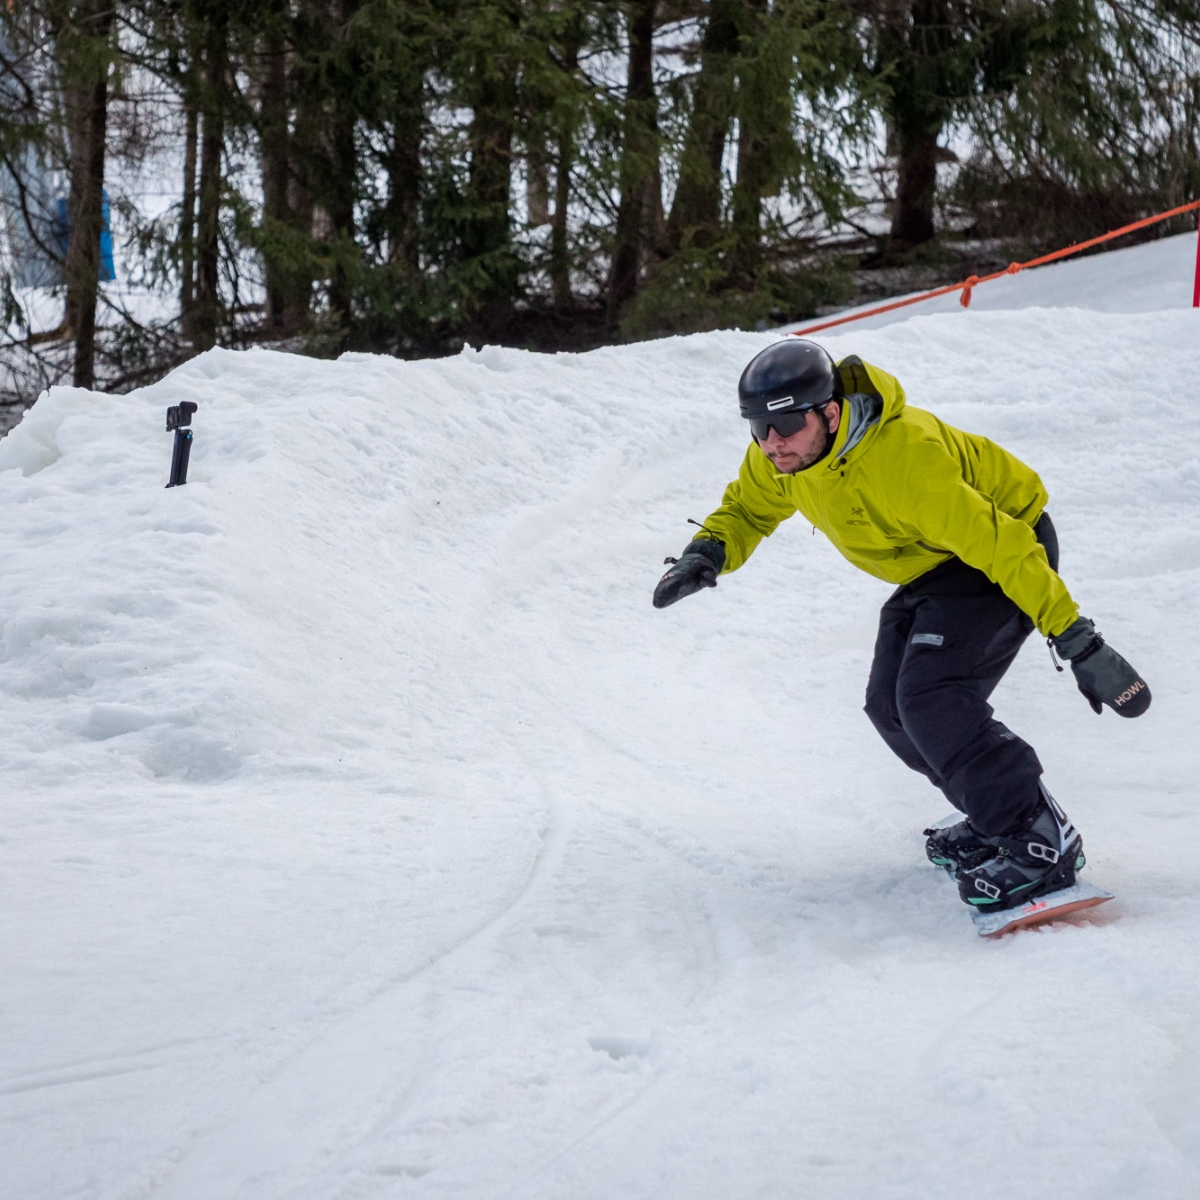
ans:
x=366 y=833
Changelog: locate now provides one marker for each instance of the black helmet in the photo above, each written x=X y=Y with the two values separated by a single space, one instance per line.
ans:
x=790 y=376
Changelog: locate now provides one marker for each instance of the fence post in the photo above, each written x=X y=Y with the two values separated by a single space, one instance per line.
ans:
x=1196 y=287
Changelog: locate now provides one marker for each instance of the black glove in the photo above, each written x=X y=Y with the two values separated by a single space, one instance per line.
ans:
x=1103 y=676
x=697 y=567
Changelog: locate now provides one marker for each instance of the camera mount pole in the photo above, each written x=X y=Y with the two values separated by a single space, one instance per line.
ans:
x=178 y=418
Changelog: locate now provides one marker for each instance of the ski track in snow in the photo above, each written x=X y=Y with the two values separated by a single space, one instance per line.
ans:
x=367 y=834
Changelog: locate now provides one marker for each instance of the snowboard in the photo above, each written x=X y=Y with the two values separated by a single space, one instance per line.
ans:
x=1050 y=906
x=1047 y=907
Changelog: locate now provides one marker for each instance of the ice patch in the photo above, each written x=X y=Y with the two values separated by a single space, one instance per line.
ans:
x=618 y=1048
x=112 y=720
x=194 y=758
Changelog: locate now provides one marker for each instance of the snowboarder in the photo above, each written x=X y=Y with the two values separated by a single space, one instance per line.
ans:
x=961 y=526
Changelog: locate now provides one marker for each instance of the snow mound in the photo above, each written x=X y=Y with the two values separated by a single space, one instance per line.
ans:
x=366 y=832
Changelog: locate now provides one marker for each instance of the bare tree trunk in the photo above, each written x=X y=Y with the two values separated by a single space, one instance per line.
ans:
x=341 y=218
x=487 y=237
x=763 y=108
x=83 y=35
x=402 y=212
x=491 y=161
x=916 y=37
x=916 y=185
x=187 y=222
x=537 y=184
x=212 y=144
x=343 y=188
x=274 y=153
x=303 y=171
x=696 y=212
x=560 y=262
x=404 y=191
x=639 y=159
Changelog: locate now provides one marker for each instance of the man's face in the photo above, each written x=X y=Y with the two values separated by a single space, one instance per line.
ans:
x=805 y=446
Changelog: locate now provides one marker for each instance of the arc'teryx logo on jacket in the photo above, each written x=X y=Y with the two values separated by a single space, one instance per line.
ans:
x=928 y=492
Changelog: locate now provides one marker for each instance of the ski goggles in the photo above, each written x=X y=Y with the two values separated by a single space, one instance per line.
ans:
x=785 y=423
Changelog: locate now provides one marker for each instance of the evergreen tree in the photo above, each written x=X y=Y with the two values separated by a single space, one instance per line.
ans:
x=431 y=171
x=82 y=31
x=639 y=170
x=1102 y=128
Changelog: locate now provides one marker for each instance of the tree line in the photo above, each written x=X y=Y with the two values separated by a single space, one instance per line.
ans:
x=407 y=175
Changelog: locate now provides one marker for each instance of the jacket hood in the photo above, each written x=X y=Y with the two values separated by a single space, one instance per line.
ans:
x=872 y=397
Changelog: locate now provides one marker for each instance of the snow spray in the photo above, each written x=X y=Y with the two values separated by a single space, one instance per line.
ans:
x=178 y=418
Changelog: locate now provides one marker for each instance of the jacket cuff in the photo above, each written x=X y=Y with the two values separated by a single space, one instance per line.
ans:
x=1076 y=639
x=708 y=548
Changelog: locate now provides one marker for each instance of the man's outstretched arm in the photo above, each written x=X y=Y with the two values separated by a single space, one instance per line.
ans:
x=751 y=509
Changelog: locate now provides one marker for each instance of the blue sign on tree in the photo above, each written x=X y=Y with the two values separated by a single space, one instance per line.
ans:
x=62 y=233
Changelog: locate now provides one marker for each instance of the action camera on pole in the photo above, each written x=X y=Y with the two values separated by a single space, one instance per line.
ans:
x=178 y=417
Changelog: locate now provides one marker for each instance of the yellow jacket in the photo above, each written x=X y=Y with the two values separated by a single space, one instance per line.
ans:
x=901 y=492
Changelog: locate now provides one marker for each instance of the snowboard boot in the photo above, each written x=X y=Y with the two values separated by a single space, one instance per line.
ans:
x=1039 y=858
x=957 y=847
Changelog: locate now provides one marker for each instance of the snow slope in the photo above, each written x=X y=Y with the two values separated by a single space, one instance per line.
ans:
x=1149 y=278
x=366 y=833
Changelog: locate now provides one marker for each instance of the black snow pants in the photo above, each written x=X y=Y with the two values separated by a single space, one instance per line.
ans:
x=945 y=641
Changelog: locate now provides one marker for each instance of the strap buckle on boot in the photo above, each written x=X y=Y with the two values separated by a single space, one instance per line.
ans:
x=1043 y=852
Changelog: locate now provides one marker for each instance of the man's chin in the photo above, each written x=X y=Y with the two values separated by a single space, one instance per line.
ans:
x=786 y=466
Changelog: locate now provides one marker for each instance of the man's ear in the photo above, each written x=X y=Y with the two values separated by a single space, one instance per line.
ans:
x=832 y=413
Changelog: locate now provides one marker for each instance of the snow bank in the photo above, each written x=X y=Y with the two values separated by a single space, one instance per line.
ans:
x=366 y=832
x=1153 y=277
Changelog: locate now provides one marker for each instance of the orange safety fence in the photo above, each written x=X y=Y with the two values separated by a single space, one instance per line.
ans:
x=968 y=285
